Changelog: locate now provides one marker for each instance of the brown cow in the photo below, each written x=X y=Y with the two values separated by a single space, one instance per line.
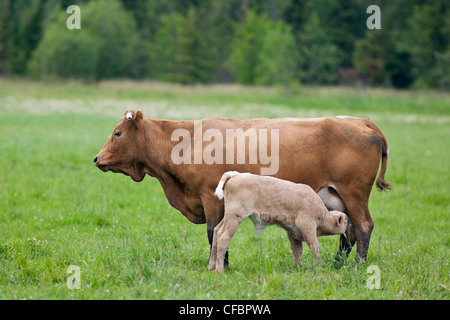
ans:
x=338 y=157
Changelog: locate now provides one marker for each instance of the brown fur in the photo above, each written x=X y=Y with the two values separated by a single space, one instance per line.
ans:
x=294 y=207
x=318 y=152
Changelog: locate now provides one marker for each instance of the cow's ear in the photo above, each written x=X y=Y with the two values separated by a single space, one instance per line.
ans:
x=134 y=117
x=139 y=116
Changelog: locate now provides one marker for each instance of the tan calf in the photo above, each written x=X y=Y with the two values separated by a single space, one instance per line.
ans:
x=293 y=206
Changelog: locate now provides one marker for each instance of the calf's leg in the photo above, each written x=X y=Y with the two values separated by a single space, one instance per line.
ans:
x=296 y=247
x=224 y=236
x=313 y=244
x=211 y=234
x=310 y=236
x=214 y=210
x=213 y=251
x=308 y=230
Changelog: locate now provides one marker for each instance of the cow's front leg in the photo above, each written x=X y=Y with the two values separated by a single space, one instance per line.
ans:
x=346 y=243
x=214 y=214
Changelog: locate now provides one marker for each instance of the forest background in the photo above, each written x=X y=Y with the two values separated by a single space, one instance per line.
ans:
x=274 y=42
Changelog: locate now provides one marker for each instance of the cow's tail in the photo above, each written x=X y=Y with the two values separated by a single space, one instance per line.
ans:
x=225 y=177
x=381 y=183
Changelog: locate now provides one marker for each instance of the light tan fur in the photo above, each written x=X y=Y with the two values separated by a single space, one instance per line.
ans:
x=293 y=206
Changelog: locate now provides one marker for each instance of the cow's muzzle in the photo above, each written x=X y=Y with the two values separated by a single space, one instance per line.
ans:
x=99 y=164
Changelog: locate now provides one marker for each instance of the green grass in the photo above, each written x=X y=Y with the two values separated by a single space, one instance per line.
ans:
x=57 y=209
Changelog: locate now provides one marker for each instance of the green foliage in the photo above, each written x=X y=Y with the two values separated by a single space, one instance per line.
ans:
x=246 y=46
x=20 y=32
x=249 y=42
x=296 y=15
x=65 y=54
x=192 y=55
x=263 y=52
x=181 y=50
x=116 y=32
x=344 y=22
x=6 y=34
x=367 y=58
x=442 y=71
x=430 y=38
x=163 y=51
x=320 y=56
x=106 y=46
x=278 y=59
x=412 y=51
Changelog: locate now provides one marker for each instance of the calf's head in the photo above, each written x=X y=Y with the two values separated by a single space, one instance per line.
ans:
x=335 y=222
x=122 y=152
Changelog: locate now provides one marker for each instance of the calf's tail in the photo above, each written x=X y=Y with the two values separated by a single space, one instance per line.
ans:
x=225 y=177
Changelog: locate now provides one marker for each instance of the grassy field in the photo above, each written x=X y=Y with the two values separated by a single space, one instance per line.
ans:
x=57 y=209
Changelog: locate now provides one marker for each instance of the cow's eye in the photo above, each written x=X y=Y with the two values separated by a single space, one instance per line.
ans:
x=117 y=134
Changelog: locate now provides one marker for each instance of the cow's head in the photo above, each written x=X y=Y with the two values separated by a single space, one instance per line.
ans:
x=122 y=152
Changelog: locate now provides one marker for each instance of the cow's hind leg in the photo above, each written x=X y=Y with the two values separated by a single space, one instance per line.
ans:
x=361 y=228
x=363 y=233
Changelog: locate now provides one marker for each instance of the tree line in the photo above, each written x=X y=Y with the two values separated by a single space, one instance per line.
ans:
x=262 y=42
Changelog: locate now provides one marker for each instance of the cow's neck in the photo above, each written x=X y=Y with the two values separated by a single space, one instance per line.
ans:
x=159 y=164
x=158 y=146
